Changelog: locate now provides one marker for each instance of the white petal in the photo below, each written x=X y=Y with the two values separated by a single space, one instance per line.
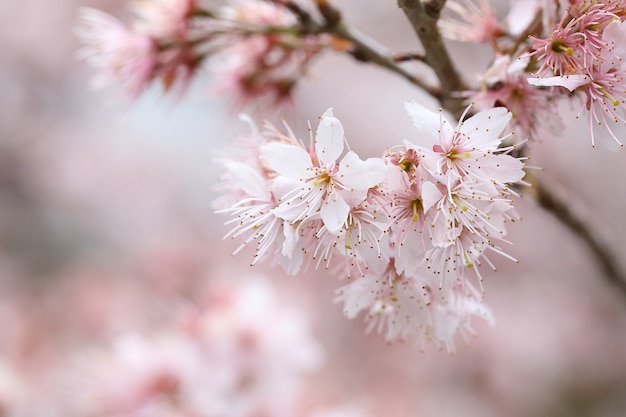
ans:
x=430 y=195
x=571 y=82
x=329 y=139
x=248 y=179
x=288 y=160
x=428 y=124
x=521 y=15
x=291 y=239
x=615 y=35
x=485 y=127
x=361 y=175
x=334 y=212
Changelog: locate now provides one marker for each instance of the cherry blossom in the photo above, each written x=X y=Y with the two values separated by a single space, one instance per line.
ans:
x=317 y=182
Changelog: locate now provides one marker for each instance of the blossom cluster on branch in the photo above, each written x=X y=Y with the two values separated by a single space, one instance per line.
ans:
x=407 y=228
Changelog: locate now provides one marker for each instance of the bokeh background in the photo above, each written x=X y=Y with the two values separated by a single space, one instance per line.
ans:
x=106 y=227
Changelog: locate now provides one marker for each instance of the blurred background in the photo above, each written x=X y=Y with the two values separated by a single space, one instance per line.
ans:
x=106 y=229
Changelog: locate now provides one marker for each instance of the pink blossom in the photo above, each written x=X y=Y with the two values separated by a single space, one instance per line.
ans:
x=318 y=182
x=122 y=56
x=603 y=84
x=406 y=309
x=505 y=84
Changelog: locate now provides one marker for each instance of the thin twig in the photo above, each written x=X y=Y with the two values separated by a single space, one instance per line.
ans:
x=362 y=47
x=557 y=204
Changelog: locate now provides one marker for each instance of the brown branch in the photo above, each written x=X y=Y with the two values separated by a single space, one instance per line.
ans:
x=423 y=16
x=557 y=204
x=366 y=50
x=361 y=47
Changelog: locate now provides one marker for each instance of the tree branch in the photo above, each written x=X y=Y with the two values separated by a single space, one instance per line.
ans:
x=556 y=203
x=423 y=16
x=362 y=47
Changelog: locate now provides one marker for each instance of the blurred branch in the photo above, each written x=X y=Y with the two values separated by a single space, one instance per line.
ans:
x=557 y=203
x=360 y=46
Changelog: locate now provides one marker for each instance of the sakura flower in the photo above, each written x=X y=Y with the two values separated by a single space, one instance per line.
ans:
x=603 y=84
x=318 y=182
x=468 y=221
x=412 y=194
x=469 y=150
x=122 y=56
x=505 y=84
x=406 y=309
x=252 y=216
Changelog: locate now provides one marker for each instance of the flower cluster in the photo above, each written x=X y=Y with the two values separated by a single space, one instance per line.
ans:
x=253 y=47
x=575 y=45
x=585 y=54
x=405 y=228
x=222 y=360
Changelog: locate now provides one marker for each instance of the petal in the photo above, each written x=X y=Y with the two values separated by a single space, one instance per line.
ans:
x=334 y=212
x=430 y=195
x=571 y=82
x=615 y=35
x=291 y=239
x=248 y=179
x=521 y=15
x=329 y=139
x=361 y=175
x=484 y=128
x=428 y=124
x=288 y=160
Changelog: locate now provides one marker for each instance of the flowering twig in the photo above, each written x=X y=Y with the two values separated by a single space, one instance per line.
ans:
x=423 y=16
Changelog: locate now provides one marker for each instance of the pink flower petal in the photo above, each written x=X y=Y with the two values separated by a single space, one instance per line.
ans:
x=334 y=212
x=329 y=139
x=288 y=160
x=361 y=175
x=571 y=82
x=428 y=123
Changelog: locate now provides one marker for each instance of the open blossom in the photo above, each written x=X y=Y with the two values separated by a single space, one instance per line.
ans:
x=134 y=58
x=318 y=182
x=603 y=84
x=505 y=84
x=468 y=193
x=407 y=309
x=299 y=201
